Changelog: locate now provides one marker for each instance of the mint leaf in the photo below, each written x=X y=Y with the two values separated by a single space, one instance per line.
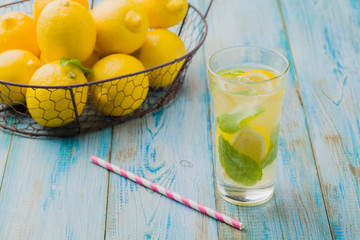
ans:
x=240 y=168
x=76 y=62
x=230 y=123
x=274 y=140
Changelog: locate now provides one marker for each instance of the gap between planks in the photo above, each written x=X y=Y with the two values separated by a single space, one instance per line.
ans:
x=6 y=161
x=210 y=135
x=108 y=180
x=306 y=118
x=203 y=52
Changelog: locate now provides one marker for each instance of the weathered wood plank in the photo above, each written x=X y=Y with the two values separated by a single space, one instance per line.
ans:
x=5 y=137
x=170 y=147
x=52 y=191
x=48 y=195
x=325 y=44
x=5 y=140
x=297 y=210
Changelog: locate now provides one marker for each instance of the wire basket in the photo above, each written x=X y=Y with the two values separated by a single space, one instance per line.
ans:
x=15 y=116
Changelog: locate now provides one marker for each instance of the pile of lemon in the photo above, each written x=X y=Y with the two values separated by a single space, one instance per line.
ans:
x=64 y=39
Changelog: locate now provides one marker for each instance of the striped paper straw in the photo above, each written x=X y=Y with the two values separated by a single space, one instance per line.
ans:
x=174 y=196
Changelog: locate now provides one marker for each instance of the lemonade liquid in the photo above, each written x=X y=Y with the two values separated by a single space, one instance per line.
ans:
x=247 y=114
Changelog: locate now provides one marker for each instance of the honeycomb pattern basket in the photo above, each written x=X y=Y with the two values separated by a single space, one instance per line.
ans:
x=14 y=116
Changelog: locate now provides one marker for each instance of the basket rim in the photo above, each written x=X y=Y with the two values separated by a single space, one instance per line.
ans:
x=190 y=53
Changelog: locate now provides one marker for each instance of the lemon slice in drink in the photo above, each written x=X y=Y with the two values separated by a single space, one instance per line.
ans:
x=252 y=141
x=263 y=87
x=258 y=75
x=227 y=136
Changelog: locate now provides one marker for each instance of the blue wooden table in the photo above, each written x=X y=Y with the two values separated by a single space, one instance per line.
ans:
x=50 y=190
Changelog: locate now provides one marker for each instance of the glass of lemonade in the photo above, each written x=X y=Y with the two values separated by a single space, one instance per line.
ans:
x=247 y=86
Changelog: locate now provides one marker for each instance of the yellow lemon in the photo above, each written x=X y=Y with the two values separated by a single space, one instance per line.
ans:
x=40 y=4
x=118 y=97
x=43 y=59
x=16 y=66
x=66 y=29
x=54 y=107
x=18 y=31
x=227 y=136
x=258 y=75
x=252 y=141
x=162 y=46
x=271 y=86
x=121 y=26
x=164 y=13
x=91 y=60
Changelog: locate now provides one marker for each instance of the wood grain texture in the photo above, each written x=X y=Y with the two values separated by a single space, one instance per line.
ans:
x=170 y=147
x=325 y=41
x=52 y=191
x=6 y=136
x=297 y=210
x=5 y=140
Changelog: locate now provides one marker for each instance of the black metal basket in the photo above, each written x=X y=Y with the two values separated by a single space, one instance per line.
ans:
x=15 y=116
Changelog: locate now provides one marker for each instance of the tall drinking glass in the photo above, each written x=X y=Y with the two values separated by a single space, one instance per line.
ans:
x=247 y=86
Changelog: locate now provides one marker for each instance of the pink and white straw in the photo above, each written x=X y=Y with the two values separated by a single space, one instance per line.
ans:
x=174 y=196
